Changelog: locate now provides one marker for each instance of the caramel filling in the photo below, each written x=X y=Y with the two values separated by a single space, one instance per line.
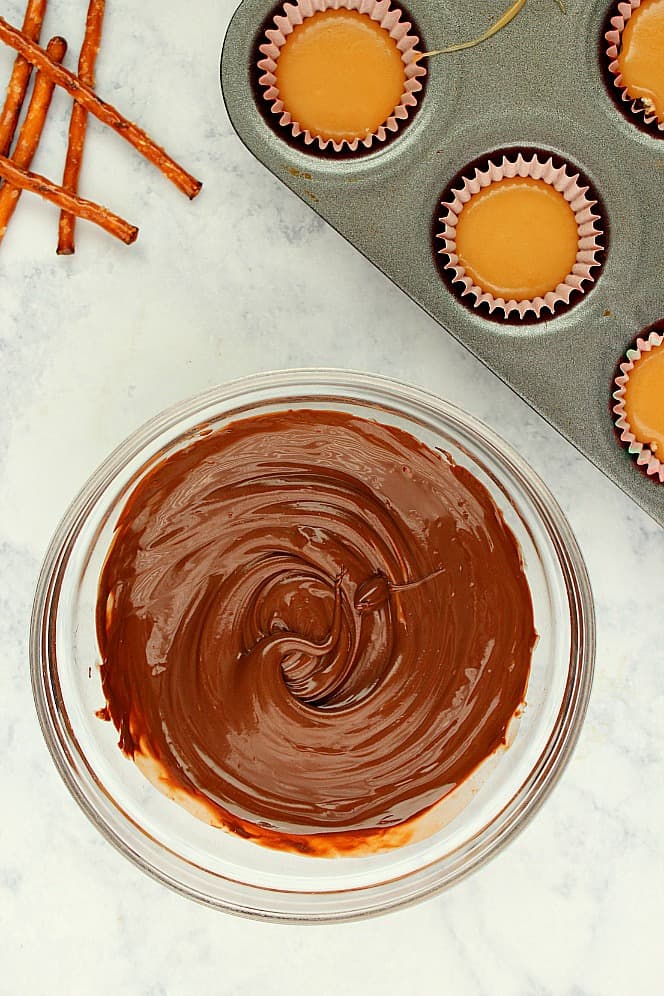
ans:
x=644 y=401
x=517 y=239
x=340 y=75
x=641 y=57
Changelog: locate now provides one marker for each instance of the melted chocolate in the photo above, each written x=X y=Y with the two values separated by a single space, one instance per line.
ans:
x=263 y=642
x=377 y=589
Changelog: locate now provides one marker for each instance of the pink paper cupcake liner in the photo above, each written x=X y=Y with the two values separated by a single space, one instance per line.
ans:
x=575 y=192
x=613 y=36
x=391 y=18
x=645 y=458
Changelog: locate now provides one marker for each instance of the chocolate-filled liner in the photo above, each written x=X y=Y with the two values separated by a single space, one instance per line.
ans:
x=537 y=165
x=645 y=459
x=633 y=109
x=397 y=24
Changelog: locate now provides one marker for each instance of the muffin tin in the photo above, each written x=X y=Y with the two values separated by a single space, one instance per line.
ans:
x=539 y=83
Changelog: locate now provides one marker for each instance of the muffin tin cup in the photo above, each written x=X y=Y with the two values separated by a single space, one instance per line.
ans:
x=562 y=178
x=645 y=458
x=623 y=12
x=391 y=19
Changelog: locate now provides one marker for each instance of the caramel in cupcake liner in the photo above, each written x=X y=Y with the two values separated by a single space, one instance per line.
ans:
x=589 y=233
x=391 y=18
x=645 y=458
x=613 y=37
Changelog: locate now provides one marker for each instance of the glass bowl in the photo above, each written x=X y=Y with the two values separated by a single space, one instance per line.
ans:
x=216 y=867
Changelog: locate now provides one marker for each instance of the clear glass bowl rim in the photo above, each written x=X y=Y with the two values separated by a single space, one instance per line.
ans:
x=332 y=384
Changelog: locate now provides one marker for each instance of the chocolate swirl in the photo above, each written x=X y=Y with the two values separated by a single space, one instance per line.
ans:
x=262 y=640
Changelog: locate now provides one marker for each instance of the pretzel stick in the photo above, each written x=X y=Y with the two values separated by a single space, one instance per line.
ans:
x=87 y=98
x=50 y=191
x=30 y=133
x=18 y=83
x=79 y=122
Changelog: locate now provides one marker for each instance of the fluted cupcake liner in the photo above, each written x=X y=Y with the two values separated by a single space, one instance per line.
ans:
x=565 y=181
x=644 y=456
x=390 y=18
x=613 y=37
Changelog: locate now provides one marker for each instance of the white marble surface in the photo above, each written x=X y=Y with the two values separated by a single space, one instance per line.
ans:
x=245 y=279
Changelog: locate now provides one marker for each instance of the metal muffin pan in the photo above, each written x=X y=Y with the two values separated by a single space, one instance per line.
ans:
x=538 y=83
